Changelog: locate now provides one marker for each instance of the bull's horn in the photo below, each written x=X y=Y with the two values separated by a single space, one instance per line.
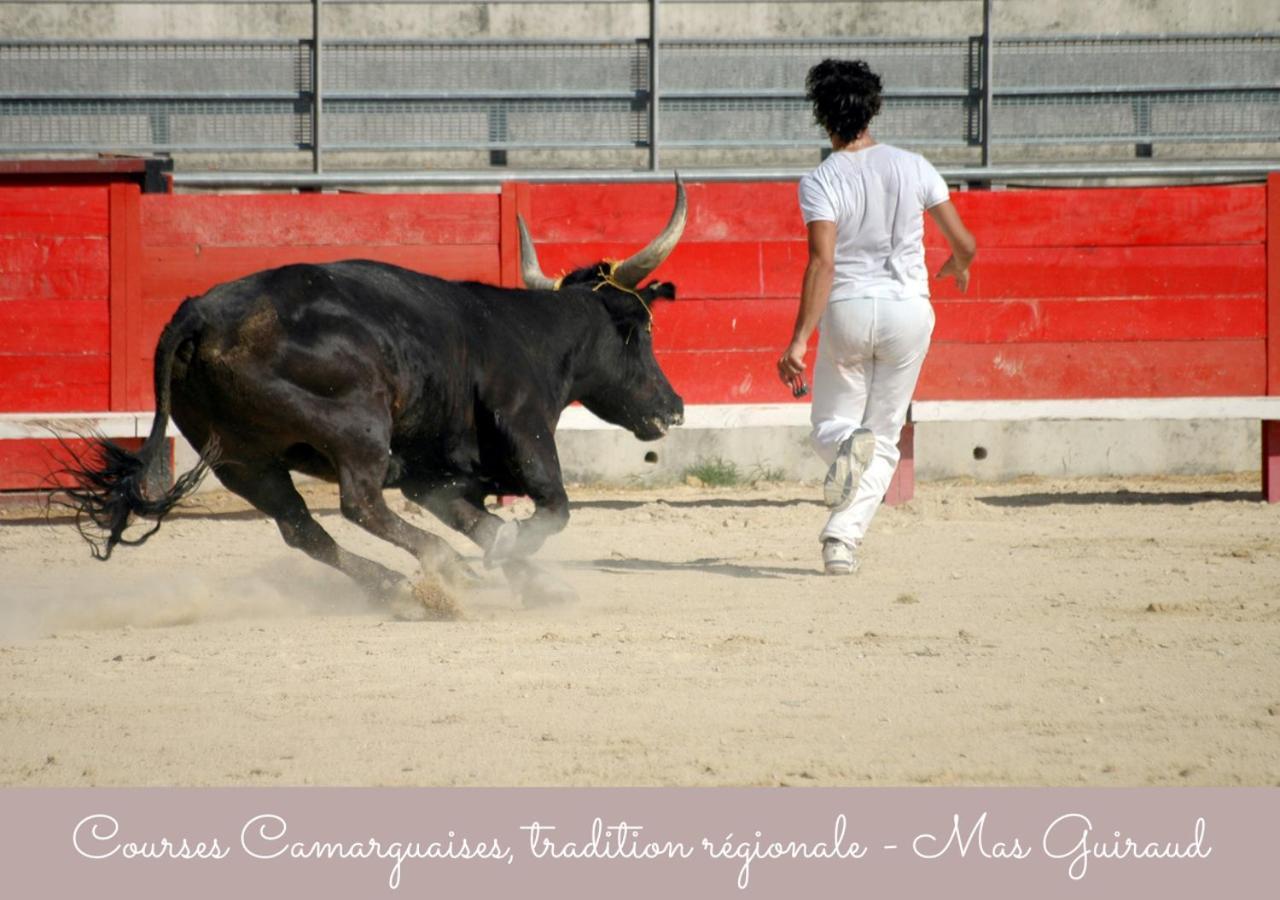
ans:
x=632 y=271
x=529 y=268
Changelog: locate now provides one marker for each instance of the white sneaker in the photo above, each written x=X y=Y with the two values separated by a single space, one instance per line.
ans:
x=852 y=459
x=838 y=557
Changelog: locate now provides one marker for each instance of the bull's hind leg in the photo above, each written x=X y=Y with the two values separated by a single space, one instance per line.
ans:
x=271 y=490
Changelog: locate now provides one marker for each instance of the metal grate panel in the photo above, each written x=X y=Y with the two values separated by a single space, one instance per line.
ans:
x=1139 y=118
x=474 y=67
x=143 y=127
x=86 y=96
x=133 y=68
x=1109 y=63
x=491 y=124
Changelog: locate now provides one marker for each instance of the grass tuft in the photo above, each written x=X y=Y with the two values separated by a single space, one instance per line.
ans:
x=714 y=472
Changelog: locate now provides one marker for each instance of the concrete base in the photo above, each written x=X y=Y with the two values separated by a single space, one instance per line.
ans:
x=997 y=451
x=987 y=451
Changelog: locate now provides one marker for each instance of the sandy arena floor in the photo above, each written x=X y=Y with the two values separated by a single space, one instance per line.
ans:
x=1037 y=633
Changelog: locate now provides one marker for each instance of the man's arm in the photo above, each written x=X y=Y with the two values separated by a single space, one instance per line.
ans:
x=814 y=293
x=963 y=246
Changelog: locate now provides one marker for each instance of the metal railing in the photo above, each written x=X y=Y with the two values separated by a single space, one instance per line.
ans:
x=969 y=94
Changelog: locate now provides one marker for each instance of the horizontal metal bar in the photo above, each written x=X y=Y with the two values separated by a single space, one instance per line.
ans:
x=484 y=145
x=451 y=96
x=815 y=143
x=1130 y=90
x=790 y=94
x=152 y=96
x=291 y=43
x=485 y=41
x=150 y=148
x=953 y=174
x=1136 y=137
x=746 y=94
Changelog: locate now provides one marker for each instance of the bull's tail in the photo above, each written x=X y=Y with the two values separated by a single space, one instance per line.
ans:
x=111 y=485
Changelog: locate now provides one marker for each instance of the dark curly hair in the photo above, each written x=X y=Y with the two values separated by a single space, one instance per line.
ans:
x=845 y=94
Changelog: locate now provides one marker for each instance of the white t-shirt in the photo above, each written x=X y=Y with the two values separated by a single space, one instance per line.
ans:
x=876 y=197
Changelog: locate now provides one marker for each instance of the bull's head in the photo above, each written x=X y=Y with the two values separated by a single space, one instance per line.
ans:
x=626 y=386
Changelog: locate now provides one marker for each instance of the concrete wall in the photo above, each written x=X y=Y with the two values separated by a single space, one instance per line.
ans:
x=943 y=450
x=864 y=18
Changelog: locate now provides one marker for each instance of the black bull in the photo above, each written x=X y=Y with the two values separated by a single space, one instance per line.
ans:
x=375 y=376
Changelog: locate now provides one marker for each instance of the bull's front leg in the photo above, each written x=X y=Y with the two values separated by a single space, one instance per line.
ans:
x=550 y=516
x=461 y=507
x=536 y=466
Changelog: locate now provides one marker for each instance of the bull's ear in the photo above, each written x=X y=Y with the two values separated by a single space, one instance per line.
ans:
x=660 y=290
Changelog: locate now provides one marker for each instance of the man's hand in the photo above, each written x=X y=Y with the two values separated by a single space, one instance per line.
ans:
x=791 y=367
x=953 y=269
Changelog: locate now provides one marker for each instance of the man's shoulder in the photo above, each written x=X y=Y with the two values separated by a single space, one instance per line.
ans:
x=892 y=151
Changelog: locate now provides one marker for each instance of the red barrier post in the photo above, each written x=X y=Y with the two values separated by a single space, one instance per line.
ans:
x=1271 y=430
x=130 y=386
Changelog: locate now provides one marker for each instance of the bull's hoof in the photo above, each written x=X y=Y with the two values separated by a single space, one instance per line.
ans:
x=429 y=599
x=402 y=604
x=503 y=546
x=544 y=590
x=457 y=575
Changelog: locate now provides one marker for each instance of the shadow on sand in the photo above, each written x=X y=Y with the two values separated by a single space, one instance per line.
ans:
x=709 y=565
x=1122 y=497
x=703 y=503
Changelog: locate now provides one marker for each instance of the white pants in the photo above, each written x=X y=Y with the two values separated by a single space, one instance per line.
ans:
x=869 y=356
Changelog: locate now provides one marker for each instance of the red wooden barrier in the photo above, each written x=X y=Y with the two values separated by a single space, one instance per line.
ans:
x=1077 y=293
x=190 y=243
x=54 y=316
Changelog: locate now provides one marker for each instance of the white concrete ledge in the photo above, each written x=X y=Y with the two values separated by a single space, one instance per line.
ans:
x=1122 y=408
x=49 y=425
x=757 y=415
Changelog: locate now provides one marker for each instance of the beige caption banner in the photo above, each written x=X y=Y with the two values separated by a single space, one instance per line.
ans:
x=697 y=842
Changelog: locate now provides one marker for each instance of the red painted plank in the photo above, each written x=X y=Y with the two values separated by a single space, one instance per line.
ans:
x=54 y=382
x=33 y=464
x=725 y=376
x=1029 y=371
x=689 y=324
x=53 y=212
x=72 y=268
x=632 y=214
x=53 y=326
x=1110 y=217
x=1056 y=321
x=73 y=284
x=256 y=220
x=727 y=269
x=1085 y=217
x=719 y=324
x=1017 y=273
x=172 y=273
